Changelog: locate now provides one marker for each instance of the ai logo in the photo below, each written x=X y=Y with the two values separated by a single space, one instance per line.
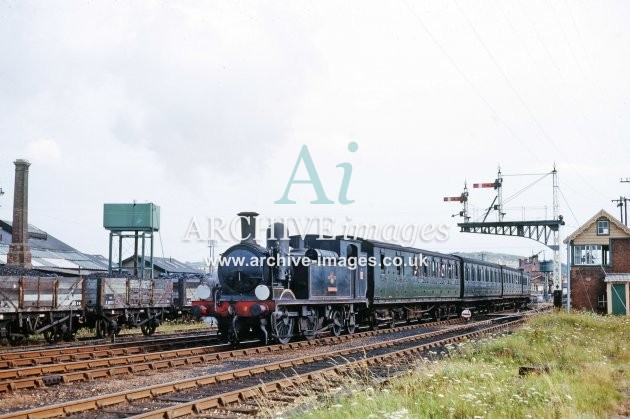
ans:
x=313 y=179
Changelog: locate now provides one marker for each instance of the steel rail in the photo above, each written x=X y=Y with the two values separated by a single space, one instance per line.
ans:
x=77 y=353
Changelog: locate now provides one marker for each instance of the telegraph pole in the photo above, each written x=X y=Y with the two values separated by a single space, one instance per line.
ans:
x=622 y=204
x=624 y=218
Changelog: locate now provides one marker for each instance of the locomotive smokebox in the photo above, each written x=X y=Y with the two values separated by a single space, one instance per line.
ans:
x=248 y=226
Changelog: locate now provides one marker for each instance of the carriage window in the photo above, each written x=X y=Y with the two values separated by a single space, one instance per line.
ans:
x=416 y=268
x=398 y=263
x=382 y=262
x=442 y=269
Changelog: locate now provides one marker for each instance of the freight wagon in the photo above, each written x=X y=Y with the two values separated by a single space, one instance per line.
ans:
x=58 y=307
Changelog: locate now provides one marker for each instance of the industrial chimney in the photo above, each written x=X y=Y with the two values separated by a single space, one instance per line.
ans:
x=19 y=251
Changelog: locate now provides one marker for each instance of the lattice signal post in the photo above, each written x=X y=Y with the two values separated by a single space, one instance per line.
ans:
x=542 y=231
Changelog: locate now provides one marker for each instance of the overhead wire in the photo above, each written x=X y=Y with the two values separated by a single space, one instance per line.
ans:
x=538 y=125
x=457 y=68
x=507 y=79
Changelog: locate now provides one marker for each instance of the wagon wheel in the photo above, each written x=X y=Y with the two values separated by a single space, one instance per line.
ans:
x=337 y=322
x=148 y=328
x=11 y=338
x=373 y=325
x=351 y=323
x=53 y=335
x=392 y=323
x=15 y=339
x=283 y=327
x=102 y=328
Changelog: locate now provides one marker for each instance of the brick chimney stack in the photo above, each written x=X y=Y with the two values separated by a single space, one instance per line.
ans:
x=19 y=251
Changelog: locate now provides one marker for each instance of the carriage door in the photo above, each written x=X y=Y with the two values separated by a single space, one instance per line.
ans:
x=352 y=255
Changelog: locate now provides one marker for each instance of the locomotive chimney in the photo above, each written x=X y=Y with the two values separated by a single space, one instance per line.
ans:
x=19 y=252
x=248 y=226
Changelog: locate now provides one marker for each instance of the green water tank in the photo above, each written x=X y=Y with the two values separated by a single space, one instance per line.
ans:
x=131 y=217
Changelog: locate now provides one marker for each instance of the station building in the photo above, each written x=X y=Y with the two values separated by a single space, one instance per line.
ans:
x=599 y=260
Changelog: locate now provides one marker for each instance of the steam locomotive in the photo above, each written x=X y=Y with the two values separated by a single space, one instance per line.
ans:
x=305 y=286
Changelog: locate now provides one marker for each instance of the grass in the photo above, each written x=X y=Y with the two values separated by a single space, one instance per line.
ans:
x=164 y=327
x=589 y=377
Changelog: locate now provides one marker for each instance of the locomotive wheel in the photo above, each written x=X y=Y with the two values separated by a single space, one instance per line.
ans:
x=309 y=327
x=283 y=327
x=352 y=323
x=234 y=332
x=224 y=328
x=337 y=322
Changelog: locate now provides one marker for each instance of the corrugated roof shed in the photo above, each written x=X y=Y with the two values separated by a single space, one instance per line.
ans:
x=49 y=253
x=166 y=265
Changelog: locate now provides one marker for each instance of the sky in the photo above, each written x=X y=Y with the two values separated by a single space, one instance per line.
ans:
x=203 y=108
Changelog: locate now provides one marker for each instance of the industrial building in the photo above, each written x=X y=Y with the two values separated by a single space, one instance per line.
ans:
x=51 y=254
x=161 y=266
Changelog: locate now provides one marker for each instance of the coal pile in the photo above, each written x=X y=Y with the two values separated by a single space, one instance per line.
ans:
x=16 y=271
x=112 y=275
x=184 y=276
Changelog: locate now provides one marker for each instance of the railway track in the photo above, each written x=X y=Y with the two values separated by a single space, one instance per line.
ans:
x=48 y=355
x=99 y=367
x=284 y=388
x=89 y=342
x=191 y=395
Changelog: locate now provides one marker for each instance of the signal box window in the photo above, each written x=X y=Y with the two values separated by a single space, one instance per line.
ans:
x=591 y=254
x=603 y=227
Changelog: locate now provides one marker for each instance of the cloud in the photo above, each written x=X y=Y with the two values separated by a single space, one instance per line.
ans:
x=45 y=151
